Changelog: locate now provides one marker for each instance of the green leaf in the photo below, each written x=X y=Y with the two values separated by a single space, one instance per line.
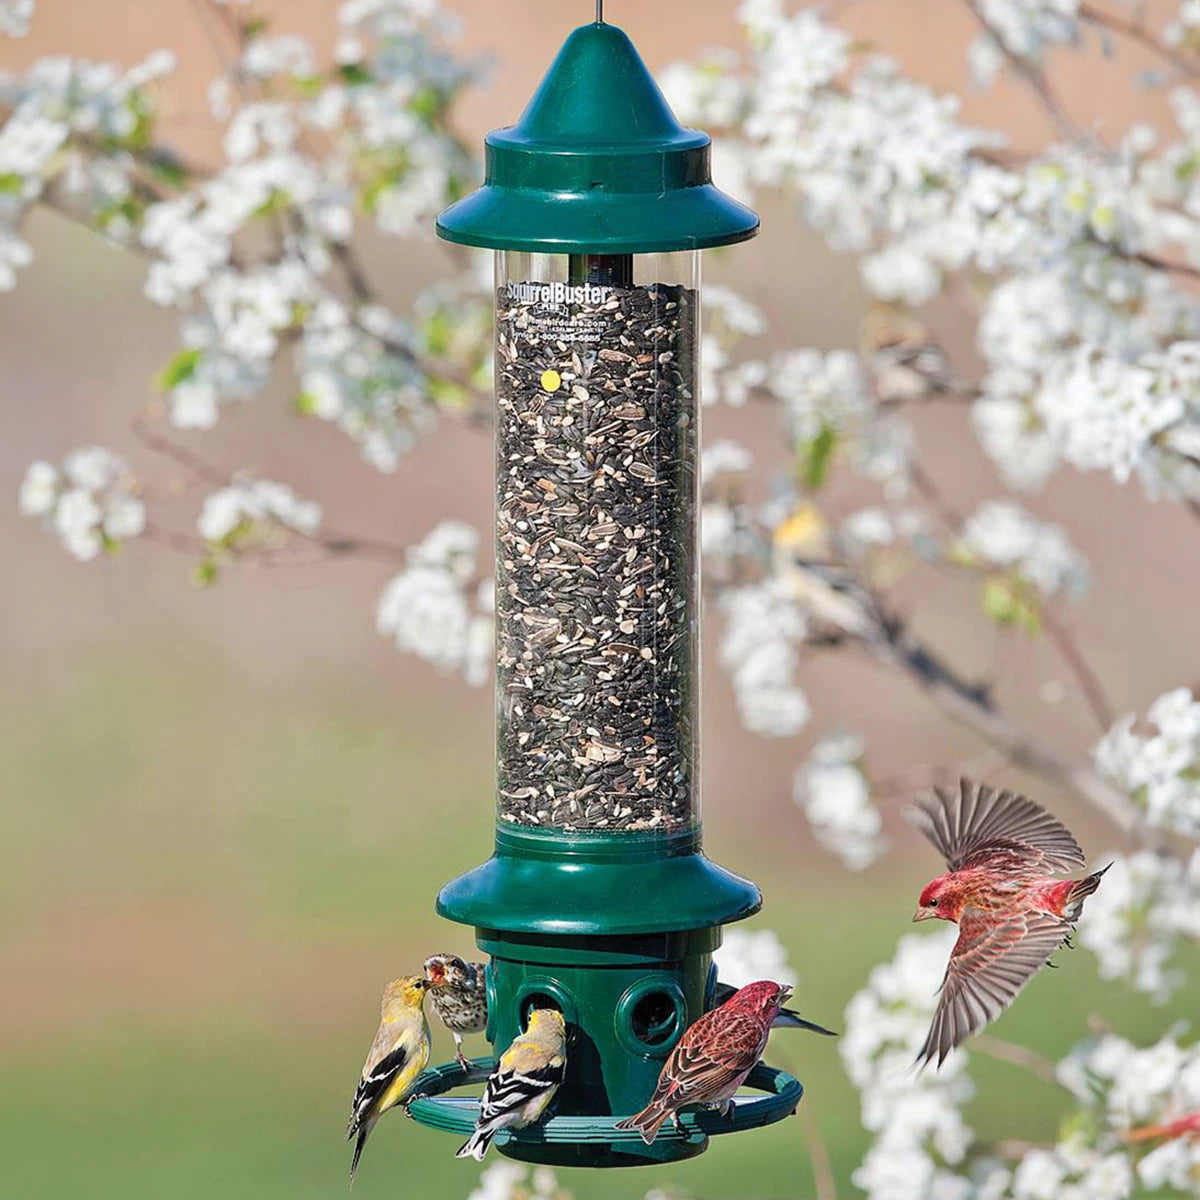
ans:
x=278 y=201
x=355 y=74
x=253 y=27
x=426 y=103
x=11 y=183
x=170 y=170
x=111 y=545
x=182 y=366
x=305 y=404
x=439 y=332
x=204 y=573
x=308 y=85
x=815 y=458
x=1008 y=600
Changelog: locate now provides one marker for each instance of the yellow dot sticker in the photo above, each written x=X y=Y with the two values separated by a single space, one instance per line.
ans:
x=551 y=381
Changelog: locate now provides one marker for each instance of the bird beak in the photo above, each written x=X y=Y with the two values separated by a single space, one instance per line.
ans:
x=922 y=914
x=785 y=994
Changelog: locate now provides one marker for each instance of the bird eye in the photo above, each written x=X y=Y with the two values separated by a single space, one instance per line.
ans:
x=933 y=903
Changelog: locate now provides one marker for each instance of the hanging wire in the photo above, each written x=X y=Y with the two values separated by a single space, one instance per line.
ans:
x=599 y=12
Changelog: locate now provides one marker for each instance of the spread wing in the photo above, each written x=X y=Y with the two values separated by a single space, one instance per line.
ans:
x=990 y=963
x=977 y=826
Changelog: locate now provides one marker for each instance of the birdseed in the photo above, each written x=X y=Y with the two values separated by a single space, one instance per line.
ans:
x=596 y=603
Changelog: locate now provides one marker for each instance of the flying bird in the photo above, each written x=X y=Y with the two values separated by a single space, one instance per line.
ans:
x=786 y=1018
x=713 y=1057
x=1005 y=854
x=525 y=1080
x=458 y=994
x=397 y=1056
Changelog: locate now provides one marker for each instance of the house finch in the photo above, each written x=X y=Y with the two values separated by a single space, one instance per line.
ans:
x=397 y=1056
x=458 y=993
x=713 y=1057
x=786 y=1018
x=1003 y=852
x=520 y=1089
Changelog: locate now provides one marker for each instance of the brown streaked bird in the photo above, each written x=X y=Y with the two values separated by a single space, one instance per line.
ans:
x=1005 y=855
x=458 y=993
x=713 y=1058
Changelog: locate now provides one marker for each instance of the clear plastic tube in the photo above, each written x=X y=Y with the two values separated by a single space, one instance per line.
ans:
x=597 y=380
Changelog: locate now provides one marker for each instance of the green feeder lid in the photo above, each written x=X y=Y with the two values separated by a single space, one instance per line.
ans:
x=597 y=164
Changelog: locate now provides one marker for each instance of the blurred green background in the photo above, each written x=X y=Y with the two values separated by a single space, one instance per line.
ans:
x=226 y=814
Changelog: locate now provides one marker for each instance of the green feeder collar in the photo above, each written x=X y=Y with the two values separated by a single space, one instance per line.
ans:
x=598 y=164
x=595 y=1141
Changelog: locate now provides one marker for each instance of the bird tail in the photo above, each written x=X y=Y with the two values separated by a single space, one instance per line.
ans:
x=364 y=1131
x=476 y=1145
x=788 y=1018
x=1080 y=890
x=648 y=1122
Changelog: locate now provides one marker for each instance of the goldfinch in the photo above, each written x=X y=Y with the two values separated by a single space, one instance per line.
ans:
x=397 y=1056
x=458 y=993
x=802 y=555
x=524 y=1082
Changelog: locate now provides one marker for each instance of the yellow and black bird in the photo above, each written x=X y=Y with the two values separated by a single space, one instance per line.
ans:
x=397 y=1056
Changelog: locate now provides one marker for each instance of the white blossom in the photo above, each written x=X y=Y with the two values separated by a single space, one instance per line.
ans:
x=747 y=955
x=15 y=16
x=1134 y=923
x=836 y=798
x=88 y=501
x=1004 y=534
x=39 y=489
x=763 y=626
x=1160 y=771
x=426 y=609
x=256 y=500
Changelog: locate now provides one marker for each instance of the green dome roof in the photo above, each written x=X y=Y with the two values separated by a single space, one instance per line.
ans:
x=597 y=164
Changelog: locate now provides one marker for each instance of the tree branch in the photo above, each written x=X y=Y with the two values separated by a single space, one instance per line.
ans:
x=971 y=706
x=1018 y=1056
x=1135 y=31
x=1034 y=78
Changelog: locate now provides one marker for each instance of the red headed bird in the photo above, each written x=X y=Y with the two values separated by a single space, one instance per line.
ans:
x=713 y=1057
x=1004 y=853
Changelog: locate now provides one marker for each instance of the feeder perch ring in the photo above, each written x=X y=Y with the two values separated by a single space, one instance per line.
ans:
x=437 y=1109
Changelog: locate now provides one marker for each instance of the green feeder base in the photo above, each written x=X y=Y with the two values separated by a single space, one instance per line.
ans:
x=595 y=1141
x=616 y=931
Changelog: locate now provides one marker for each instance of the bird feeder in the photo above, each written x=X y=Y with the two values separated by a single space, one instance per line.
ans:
x=598 y=900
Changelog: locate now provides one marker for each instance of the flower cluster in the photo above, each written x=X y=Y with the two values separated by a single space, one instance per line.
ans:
x=1137 y=1092
x=759 y=647
x=89 y=502
x=232 y=514
x=835 y=795
x=57 y=115
x=427 y=609
x=920 y=1137
x=1022 y=28
x=1003 y=534
x=1134 y=924
x=1161 y=771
